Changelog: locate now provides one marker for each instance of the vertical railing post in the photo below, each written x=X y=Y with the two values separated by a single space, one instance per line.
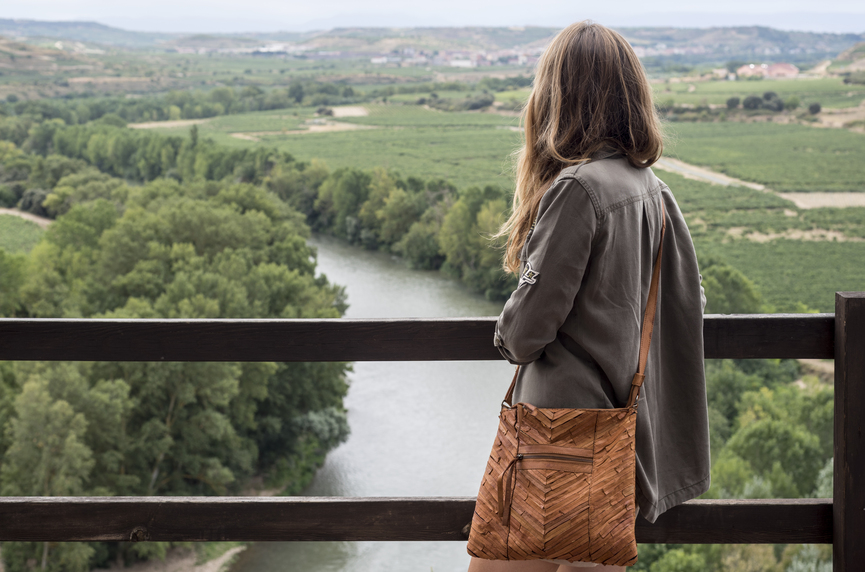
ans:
x=848 y=520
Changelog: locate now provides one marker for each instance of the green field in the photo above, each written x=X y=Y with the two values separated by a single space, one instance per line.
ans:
x=793 y=158
x=472 y=148
x=828 y=92
x=17 y=234
x=785 y=271
x=466 y=148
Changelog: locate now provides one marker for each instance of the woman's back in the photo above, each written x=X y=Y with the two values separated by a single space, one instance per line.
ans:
x=575 y=318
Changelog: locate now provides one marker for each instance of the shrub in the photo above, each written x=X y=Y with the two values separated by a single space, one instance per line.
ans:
x=32 y=201
x=792 y=103
x=733 y=103
x=814 y=108
x=773 y=104
x=770 y=95
x=7 y=197
x=752 y=102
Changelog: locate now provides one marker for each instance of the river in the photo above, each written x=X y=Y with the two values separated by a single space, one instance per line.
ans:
x=417 y=428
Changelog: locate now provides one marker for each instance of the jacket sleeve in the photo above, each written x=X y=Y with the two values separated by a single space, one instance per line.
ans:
x=555 y=258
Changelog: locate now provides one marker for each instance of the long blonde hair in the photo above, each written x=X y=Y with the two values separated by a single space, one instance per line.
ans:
x=590 y=94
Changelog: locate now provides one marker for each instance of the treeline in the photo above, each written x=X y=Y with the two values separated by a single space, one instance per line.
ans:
x=204 y=249
x=192 y=104
x=485 y=84
x=200 y=104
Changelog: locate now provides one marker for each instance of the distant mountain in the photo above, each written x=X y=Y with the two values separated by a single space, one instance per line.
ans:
x=682 y=44
x=91 y=32
x=743 y=42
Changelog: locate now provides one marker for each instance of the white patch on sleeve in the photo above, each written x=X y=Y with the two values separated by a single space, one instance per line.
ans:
x=529 y=275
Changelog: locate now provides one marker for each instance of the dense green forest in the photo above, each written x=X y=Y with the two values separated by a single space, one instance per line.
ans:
x=161 y=249
x=150 y=226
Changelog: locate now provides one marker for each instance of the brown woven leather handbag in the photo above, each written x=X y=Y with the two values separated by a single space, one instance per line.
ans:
x=559 y=484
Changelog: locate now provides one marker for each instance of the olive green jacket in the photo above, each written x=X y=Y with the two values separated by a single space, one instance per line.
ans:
x=574 y=320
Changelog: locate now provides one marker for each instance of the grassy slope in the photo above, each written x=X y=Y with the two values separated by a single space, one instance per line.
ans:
x=17 y=234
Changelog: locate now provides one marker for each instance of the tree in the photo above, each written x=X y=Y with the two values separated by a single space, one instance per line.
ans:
x=728 y=291
x=678 y=560
x=47 y=457
x=792 y=103
x=296 y=91
x=752 y=102
x=11 y=278
x=733 y=103
x=814 y=108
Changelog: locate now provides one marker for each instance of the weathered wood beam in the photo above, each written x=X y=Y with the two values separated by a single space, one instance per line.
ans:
x=178 y=519
x=736 y=336
x=849 y=438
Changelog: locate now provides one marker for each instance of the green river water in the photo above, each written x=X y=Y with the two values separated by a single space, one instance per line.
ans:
x=434 y=438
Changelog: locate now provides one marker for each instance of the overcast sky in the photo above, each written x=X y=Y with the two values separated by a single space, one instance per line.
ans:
x=273 y=15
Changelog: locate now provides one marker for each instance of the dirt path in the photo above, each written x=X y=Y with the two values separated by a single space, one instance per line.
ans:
x=176 y=123
x=842 y=118
x=817 y=200
x=314 y=126
x=801 y=200
x=703 y=174
x=350 y=111
x=40 y=220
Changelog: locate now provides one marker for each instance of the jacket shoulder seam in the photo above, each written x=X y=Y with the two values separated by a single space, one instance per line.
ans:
x=574 y=176
x=642 y=196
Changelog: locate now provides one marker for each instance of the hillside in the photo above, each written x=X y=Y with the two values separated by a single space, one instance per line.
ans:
x=685 y=44
x=17 y=58
x=81 y=32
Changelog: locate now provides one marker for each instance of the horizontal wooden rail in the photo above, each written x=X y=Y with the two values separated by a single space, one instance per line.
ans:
x=344 y=519
x=735 y=336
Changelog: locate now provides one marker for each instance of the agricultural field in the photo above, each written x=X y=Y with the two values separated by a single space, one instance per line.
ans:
x=793 y=158
x=828 y=92
x=466 y=148
x=793 y=255
x=18 y=235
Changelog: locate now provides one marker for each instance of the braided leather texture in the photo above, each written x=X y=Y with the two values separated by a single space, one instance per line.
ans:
x=550 y=508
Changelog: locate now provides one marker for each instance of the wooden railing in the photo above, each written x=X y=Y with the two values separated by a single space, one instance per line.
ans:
x=840 y=336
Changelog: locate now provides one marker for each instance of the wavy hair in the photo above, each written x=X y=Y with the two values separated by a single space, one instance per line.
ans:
x=590 y=95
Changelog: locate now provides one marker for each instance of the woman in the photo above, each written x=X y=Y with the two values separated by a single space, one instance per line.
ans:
x=583 y=237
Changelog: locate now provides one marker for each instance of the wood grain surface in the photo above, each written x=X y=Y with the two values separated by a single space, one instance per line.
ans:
x=345 y=519
x=849 y=438
x=736 y=336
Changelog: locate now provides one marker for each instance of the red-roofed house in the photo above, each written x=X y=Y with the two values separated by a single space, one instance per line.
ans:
x=782 y=70
x=748 y=70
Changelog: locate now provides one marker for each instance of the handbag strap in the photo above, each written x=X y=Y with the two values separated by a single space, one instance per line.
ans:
x=646 y=331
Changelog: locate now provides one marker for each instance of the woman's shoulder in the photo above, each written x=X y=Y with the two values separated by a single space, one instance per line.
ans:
x=613 y=182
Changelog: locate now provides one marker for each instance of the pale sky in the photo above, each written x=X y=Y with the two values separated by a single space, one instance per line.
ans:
x=273 y=15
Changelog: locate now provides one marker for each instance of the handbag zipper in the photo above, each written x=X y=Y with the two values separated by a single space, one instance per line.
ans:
x=553 y=457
